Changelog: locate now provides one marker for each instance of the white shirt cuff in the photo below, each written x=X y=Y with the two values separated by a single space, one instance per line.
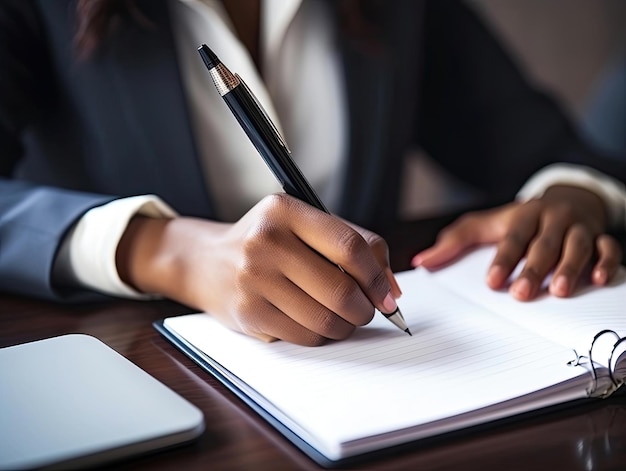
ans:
x=610 y=190
x=87 y=256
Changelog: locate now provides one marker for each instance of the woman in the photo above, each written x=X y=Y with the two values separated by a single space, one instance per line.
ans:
x=105 y=104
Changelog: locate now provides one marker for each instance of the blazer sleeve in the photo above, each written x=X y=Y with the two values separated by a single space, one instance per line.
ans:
x=33 y=218
x=479 y=116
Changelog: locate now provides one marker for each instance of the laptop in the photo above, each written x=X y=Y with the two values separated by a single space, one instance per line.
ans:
x=72 y=401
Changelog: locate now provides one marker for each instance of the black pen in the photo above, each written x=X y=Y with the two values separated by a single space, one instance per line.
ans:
x=268 y=141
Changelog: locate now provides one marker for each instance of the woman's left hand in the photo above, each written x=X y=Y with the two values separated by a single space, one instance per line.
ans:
x=562 y=232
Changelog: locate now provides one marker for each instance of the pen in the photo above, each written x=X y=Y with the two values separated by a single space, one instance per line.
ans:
x=268 y=141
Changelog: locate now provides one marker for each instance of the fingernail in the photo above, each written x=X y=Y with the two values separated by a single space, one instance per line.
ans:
x=266 y=338
x=559 y=285
x=599 y=276
x=416 y=261
x=495 y=274
x=389 y=304
x=397 y=287
x=521 y=288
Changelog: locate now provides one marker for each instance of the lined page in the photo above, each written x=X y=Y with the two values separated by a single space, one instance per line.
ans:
x=459 y=359
x=572 y=322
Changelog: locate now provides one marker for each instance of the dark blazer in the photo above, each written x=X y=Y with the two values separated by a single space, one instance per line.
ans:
x=75 y=134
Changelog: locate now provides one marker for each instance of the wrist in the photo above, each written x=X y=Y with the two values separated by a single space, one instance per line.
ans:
x=140 y=253
x=586 y=202
x=169 y=257
x=610 y=190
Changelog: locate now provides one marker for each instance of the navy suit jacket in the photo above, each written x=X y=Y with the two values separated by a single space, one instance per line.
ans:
x=75 y=134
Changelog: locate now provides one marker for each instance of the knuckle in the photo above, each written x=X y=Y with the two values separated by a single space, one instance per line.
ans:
x=608 y=240
x=531 y=274
x=467 y=218
x=345 y=332
x=565 y=212
x=344 y=294
x=579 y=239
x=376 y=242
x=455 y=230
x=449 y=233
x=510 y=250
x=275 y=203
x=248 y=269
x=352 y=245
x=379 y=282
x=248 y=314
x=350 y=303
x=568 y=270
x=546 y=245
x=329 y=324
x=505 y=260
x=311 y=339
x=366 y=315
x=610 y=248
x=535 y=205
x=514 y=239
x=258 y=242
x=264 y=232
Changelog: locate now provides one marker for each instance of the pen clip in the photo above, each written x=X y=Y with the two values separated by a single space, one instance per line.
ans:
x=265 y=115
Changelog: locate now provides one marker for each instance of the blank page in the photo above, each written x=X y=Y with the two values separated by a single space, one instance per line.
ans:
x=572 y=322
x=459 y=359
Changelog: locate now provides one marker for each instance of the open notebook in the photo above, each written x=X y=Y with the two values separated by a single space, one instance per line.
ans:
x=475 y=356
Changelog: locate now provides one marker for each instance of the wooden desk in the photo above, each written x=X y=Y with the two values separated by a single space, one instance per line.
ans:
x=589 y=437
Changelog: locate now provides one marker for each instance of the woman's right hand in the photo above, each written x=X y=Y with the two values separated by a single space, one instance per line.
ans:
x=273 y=274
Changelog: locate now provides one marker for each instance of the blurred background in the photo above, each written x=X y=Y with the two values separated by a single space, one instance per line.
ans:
x=576 y=50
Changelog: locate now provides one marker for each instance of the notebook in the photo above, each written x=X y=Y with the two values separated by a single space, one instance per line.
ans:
x=72 y=401
x=476 y=356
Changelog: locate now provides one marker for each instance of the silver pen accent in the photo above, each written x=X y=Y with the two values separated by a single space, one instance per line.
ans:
x=397 y=319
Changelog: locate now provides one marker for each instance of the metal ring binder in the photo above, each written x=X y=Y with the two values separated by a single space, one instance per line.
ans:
x=577 y=361
x=614 y=383
x=581 y=360
x=593 y=342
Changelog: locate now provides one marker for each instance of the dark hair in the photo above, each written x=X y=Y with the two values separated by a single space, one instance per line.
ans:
x=357 y=21
x=97 y=19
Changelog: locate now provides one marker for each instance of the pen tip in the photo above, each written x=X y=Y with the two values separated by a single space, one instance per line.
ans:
x=208 y=56
x=408 y=331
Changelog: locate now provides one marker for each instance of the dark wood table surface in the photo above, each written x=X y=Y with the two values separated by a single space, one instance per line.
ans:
x=588 y=437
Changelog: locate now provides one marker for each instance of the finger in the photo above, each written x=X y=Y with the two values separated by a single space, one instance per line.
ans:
x=381 y=252
x=266 y=338
x=345 y=247
x=314 y=240
x=321 y=281
x=609 y=259
x=511 y=248
x=270 y=322
x=339 y=243
x=468 y=231
x=306 y=311
x=577 y=251
x=396 y=291
x=544 y=252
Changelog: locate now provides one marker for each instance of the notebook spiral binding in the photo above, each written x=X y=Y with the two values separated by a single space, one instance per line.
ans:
x=596 y=389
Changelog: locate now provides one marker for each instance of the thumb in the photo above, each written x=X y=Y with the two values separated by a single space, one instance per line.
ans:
x=453 y=241
x=381 y=253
